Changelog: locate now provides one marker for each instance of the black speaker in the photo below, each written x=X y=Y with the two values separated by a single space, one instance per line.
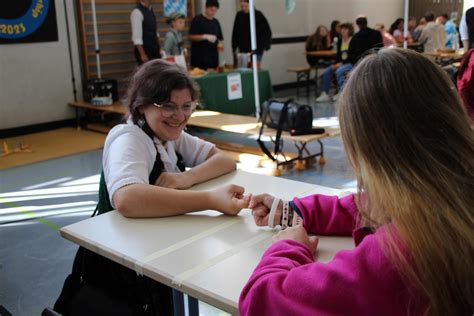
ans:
x=100 y=88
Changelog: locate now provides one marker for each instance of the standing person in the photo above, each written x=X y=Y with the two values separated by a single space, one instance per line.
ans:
x=144 y=176
x=412 y=219
x=144 y=34
x=241 y=42
x=341 y=66
x=419 y=29
x=388 y=39
x=397 y=29
x=433 y=36
x=206 y=37
x=449 y=29
x=174 y=39
x=412 y=27
x=319 y=40
x=466 y=29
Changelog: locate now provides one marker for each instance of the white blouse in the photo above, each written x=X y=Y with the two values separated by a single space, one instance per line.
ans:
x=129 y=155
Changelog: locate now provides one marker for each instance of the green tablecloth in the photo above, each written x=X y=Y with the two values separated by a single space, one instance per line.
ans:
x=214 y=92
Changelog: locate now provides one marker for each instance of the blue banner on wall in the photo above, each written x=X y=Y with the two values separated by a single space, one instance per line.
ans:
x=27 y=21
x=170 y=6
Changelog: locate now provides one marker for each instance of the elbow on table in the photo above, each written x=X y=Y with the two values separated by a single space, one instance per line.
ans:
x=123 y=204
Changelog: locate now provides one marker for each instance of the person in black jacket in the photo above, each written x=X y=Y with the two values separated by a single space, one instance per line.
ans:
x=241 y=32
x=363 y=40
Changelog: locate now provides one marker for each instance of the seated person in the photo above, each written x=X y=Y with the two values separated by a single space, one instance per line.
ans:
x=144 y=159
x=335 y=31
x=412 y=219
x=319 y=40
x=144 y=175
x=342 y=64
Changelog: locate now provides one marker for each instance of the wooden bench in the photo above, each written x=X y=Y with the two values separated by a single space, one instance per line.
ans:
x=239 y=124
x=250 y=126
x=302 y=73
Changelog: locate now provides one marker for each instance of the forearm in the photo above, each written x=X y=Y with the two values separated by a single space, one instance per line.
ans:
x=196 y=38
x=215 y=166
x=144 y=200
x=465 y=45
x=141 y=51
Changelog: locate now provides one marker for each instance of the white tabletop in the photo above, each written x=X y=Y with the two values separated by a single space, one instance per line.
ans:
x=205 y=254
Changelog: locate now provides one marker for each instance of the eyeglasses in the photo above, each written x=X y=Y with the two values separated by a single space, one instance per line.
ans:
x=169 y=109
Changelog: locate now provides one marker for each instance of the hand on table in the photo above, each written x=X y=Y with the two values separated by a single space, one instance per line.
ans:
x=261 y=205
x=174 y=180
x=297 y=233
x=229 y=199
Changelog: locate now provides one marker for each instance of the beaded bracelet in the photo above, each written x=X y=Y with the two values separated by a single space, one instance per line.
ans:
x=285 y=215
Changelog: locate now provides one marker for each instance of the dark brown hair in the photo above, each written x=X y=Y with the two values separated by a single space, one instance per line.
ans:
x=348 y=26
x=153 y=82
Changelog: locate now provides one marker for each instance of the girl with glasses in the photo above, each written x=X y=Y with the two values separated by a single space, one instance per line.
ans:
x=144 y=175
x=144 y=160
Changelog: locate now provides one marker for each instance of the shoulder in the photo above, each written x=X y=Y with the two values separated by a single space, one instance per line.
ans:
x=130 y=134
x=259 y=13
x=198 y=18
x=136 y=13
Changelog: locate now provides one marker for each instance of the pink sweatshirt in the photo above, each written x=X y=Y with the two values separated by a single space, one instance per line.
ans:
x=361 y=281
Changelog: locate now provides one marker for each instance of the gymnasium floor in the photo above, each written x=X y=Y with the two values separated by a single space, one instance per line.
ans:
x=37 y=199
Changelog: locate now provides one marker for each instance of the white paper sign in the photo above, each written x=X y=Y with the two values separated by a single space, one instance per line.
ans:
x=234 y=86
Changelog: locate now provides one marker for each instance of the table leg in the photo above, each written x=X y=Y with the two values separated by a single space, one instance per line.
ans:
x=322 y=160
x=178 y=304
x=193 y=306
x=78 y=118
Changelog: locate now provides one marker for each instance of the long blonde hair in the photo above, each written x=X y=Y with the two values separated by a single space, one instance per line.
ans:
x=409 y=140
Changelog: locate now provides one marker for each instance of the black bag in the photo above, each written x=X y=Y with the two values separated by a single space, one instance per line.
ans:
x=99 y=286
x=285 y=116
x=288 y=116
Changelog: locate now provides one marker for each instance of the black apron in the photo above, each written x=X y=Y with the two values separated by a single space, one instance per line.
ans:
x=99 y=286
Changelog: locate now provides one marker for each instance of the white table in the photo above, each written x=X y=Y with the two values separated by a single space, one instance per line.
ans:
x=206 y=255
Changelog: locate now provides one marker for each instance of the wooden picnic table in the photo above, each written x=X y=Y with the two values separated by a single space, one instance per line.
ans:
x=322 y=53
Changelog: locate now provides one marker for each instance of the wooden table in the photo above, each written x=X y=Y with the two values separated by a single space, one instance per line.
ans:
x=82 y=107
x=440 y=56
x=250 y=126
x=205 y=254
x=322 y=53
